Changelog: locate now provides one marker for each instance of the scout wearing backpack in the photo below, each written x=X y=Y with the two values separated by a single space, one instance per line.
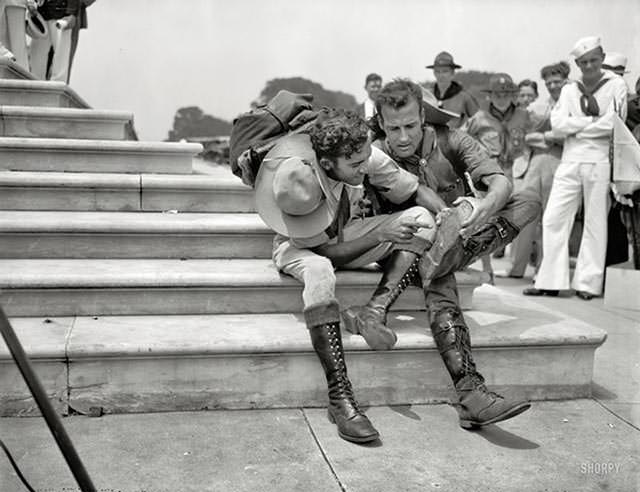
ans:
x=584 y=115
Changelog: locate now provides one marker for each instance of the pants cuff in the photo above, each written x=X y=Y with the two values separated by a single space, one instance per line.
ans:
x=322 y=314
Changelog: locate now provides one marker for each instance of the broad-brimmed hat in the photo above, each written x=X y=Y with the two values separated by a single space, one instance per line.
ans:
x=36 y=26
x=444 y=59
x=434 y=114
x=501 y=82
x=290 y=197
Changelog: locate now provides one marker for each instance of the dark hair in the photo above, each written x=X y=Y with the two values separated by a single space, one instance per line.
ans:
x=397 y=94
x=338 y=133
x=529 y=83
x=372 y=77
x=561 y=68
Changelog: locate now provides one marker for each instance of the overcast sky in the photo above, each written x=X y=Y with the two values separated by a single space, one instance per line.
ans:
x=154 y=56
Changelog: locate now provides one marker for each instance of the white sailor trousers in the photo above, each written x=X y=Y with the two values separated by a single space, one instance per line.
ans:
x=575 y=181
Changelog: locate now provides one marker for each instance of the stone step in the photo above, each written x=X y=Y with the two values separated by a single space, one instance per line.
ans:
x=169 y=363
x=60 y=287
x=45 y=234
x=20 y=92
x=11 y=70
x=41 y=122
x=99 y=156
x=123 y=192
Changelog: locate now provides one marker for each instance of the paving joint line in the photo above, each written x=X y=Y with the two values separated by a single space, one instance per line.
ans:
x=322 y=452
x=616 y=415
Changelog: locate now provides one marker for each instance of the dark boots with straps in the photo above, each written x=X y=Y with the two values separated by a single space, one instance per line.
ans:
x=324 y=329
x=476 y=405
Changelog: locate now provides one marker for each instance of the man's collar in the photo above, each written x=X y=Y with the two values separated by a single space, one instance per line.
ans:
x=454 y=89
x=502 y=115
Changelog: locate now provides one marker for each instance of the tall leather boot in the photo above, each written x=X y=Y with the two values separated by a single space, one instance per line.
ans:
x=491 y=237
x=476 y=405
x=324 y=329
x=370 y=320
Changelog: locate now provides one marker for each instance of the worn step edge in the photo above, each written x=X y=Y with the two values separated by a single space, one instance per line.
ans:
x=43 y=87
x=139 y=223
x=97 y=146
x=159 y=273
x=76 y=114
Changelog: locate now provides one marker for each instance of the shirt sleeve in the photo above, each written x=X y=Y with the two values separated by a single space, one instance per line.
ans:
x=394 y=183
x=563 y=123
x=471 y=105
x=485 y=134
x=479 y=164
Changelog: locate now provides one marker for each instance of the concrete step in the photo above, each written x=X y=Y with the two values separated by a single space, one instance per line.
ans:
x=59 y=287
x=45 y=234
x=11 y=70
x=47 y=93
x=123 y=192
x=168 y=363
x=99 y=156
x=41 y=122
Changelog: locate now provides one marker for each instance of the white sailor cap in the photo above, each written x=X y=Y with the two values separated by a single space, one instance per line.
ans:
x=614 y=60
x=585 y=44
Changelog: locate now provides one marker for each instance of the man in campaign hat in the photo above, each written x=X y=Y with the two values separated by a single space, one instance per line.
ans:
x=308 y=190
x=449 y=93
x=450 y=163
x=584 y=116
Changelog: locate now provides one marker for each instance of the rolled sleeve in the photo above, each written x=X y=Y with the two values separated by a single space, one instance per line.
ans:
x=477 y=161
x=393 y=182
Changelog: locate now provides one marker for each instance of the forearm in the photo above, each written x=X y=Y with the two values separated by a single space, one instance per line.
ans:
x=498 y=192
x=429 y=199
x=342 y=253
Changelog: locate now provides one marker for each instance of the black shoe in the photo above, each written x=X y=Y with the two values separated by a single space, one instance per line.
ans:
x=532 y=291
x=585 y=296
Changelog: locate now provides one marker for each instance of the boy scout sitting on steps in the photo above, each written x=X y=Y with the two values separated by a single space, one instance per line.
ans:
x=307 y=190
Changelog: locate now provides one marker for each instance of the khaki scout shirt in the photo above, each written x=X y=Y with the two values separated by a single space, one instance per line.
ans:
x=435 y=170
x=394 y=183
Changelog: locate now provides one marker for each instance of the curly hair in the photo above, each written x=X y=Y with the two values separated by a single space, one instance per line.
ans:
x=338 y=133
x=561 y=68
x=397 y=94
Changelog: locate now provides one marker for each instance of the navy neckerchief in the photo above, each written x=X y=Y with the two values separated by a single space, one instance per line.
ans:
x=588 y=102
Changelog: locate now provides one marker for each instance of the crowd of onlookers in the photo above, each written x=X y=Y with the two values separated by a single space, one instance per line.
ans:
x=531 y=137
x=42 y=35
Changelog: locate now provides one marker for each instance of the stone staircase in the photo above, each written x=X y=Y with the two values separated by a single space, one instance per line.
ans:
x=137 y=285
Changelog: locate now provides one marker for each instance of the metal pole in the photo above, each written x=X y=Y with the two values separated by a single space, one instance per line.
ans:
x=51 y=417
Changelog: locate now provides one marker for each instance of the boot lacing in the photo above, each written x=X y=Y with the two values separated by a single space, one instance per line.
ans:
x=345 y=390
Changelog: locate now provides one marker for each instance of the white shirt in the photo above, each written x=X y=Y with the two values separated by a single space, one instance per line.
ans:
x=369 y=108
x=587 y=138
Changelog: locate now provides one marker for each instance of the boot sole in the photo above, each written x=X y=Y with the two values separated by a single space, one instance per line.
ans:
x=512 y=412
x=356 y=439
x=378 y=342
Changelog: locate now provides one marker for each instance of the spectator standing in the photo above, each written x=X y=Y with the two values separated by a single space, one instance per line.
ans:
x=61 y=17
x=372 y=84
x=449 y=93
x=82 y=23
x=541 y=162
x=527 y=93
x=13 y=41
x=584 y=115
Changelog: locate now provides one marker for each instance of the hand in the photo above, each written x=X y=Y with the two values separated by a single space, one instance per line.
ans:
x=400 y=230
x=535 y=139
x=302 y=117
x=482 y=210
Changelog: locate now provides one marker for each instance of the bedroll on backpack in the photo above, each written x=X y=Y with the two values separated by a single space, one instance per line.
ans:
x=256 y=132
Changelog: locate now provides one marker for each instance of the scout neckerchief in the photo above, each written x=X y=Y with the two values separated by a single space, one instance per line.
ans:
x=453 y=90
x=343 y=214
x=588 y=102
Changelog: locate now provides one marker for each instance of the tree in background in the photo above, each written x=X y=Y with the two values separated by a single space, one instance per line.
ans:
x=321 y=96
x=191 y=123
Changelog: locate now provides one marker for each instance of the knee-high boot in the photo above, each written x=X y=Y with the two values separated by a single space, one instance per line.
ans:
x=324 y=329
x=476 y=405
x=370 y=320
